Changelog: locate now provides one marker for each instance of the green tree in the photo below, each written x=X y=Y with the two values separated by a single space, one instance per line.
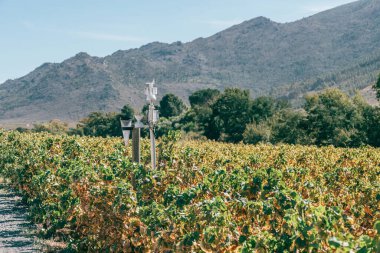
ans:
x=255 y=133
x=198 y=119
x=103 y=124
x=284 y=126
x=203 y=97
x=372 y=123
x=171 y=105
x=98 y=124
x=290 y=127
x=127 y=112
x=333 y=119
x=230 y=115
x=204 y=121
x=54 y=126
x=263 y=108
x=377 y=87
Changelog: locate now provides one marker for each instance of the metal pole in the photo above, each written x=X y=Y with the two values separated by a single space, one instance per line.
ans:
x=136 y=145
x=151 y=93
x=152 y=148
x=151 y=119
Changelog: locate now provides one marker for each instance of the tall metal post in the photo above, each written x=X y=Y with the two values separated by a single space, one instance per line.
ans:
x=152 y=139
x=151 y=96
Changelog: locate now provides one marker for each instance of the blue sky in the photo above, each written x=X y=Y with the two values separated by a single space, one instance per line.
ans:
x=36 y=31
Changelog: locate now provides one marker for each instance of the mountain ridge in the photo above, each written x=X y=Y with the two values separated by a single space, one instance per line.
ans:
x=259 y=54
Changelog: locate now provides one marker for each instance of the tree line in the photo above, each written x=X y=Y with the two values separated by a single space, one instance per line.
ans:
x=327 y=118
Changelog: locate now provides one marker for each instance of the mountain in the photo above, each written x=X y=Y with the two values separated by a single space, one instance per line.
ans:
x=338 y=47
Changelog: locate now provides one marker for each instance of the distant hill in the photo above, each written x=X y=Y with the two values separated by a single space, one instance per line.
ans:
x=338 y=47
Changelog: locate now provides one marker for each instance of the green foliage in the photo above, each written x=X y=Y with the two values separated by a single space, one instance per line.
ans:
x=205 y=196
x=166 y=146
x=127 y=112
x=377 y=88
x=97 y=124
x=203 y=97
x=230 y=114
x=327 y=118
x=53 y=126
x=255 y=133
x=164 y=126
x=290 y=127
x=171 y=105
x=263 y=108
x=199 y=119
x=103 y=124
x=22 y=129
x=333 y=119
x=372 y=125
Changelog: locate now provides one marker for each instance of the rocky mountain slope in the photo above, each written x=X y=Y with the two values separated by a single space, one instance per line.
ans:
x=338 y=47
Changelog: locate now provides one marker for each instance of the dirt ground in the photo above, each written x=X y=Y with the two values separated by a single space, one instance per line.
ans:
x=16 y=232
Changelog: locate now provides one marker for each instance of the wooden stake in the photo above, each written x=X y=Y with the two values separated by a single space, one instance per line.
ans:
x=136 y=145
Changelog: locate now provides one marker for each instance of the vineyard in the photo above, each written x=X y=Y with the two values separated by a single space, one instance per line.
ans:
x=204 y=197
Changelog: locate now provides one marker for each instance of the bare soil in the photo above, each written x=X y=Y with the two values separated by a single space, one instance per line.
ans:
x=17 y=233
